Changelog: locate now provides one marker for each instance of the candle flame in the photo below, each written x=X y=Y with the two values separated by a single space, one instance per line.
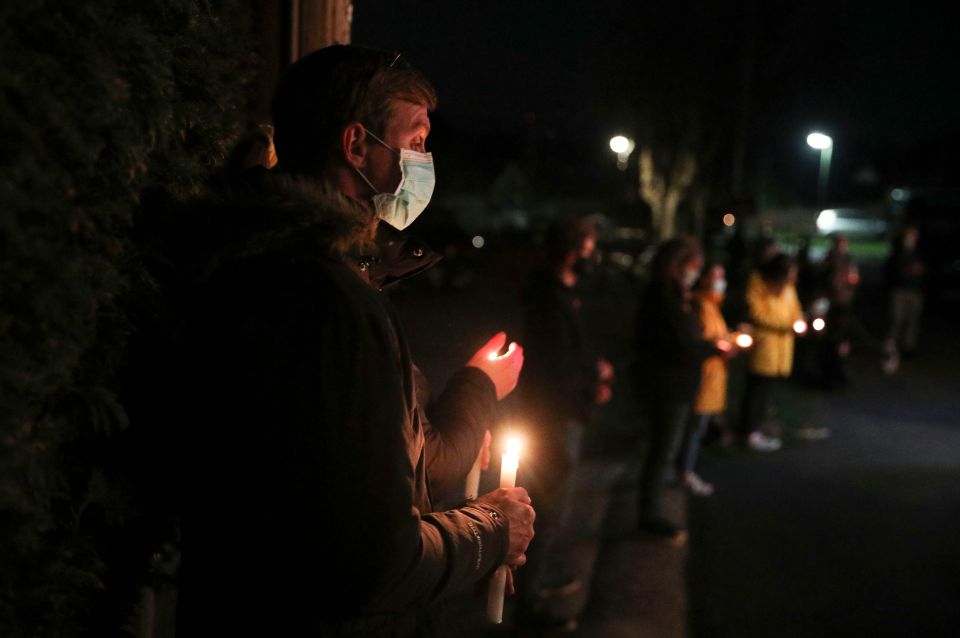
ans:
x=493 y=356
x=744 y=341
x=819 y=324
x=800 y=326
x=513 y=446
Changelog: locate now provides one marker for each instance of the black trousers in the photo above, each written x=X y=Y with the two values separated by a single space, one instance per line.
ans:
x=669 y=419
x=756 y=401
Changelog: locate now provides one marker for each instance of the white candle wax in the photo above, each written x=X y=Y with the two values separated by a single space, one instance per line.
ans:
x=473 y=481
x=509 y=463
x=508 y=469
x=495 y=595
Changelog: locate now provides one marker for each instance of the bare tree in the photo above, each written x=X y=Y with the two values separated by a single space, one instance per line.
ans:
x=663 y=188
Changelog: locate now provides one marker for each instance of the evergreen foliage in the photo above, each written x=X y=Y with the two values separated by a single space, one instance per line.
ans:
x=99 y=102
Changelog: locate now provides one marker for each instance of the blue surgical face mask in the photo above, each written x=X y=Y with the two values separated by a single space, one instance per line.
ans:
x=718 y=286
x=417 y=180
x=690 y=277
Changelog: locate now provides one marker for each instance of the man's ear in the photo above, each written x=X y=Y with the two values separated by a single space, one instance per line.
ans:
x=353 y=144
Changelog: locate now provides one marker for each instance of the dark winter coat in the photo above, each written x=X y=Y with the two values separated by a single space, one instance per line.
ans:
x=308 y=505
x=904 y=269
x=559 y=376
x=670 y=346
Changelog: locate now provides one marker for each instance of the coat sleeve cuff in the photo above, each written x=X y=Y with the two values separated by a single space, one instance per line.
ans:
x=476 y=538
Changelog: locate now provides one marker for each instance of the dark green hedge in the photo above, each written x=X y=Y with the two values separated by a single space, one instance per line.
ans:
x=99 y=103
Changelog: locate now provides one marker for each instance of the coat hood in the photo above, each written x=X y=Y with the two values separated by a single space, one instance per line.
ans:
x=266 y=212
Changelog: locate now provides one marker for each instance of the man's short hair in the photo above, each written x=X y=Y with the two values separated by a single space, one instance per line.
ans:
x=323 y=92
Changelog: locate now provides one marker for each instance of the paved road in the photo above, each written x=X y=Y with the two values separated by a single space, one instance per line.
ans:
x=858 y=535
x=855 y=536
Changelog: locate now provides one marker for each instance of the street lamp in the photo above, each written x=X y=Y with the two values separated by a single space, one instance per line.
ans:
x=824 y=144
x=622 y=146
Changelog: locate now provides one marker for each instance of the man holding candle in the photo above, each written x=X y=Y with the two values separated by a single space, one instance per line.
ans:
x=313 y=466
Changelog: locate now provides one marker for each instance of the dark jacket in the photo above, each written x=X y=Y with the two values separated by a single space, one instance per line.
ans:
x=670 y=346
x=904 y=269
x=308 y=505
x=560 y=372
x=559 y=375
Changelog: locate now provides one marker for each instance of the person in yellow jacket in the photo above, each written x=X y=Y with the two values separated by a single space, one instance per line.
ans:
x=774 y=312
x=711 y=398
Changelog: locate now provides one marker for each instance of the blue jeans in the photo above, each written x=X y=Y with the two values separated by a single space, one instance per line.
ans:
x=696 y=428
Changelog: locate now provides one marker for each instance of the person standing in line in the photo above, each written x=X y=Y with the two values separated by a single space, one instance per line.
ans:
x=904 y=271
x=774 y=311
x=671 y=349
x=311 y=463
x=840 y=280
x=711 y=400
x=561 y=386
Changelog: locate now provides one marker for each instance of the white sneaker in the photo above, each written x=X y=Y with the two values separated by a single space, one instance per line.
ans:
x=696 y=485
x=760 y=442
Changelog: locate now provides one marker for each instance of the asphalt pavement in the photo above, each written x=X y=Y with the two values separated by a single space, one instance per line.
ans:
x=852 y=536
x=855 y=535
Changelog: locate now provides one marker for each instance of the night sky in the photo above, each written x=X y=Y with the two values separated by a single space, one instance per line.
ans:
x=558 y=79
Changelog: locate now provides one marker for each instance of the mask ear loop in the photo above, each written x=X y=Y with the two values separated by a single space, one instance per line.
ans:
x=384 y=144
x=359 y=172
x=364 y=178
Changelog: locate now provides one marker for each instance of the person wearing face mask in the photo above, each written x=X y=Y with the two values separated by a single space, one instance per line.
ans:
x=314 y=462
x=711 y=399
x=560 y=389
x=671 y=349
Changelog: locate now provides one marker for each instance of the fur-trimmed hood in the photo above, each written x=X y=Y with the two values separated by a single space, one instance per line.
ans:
x=266 y=212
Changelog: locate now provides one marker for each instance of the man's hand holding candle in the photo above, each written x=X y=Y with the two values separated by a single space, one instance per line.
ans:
x=503 y=370
x=514 y=502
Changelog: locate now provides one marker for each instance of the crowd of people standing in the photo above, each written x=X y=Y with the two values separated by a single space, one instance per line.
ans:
x=287 y=326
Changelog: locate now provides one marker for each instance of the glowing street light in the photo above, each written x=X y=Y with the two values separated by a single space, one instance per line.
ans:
x=824 y=144
x=622 y=146
x=819 y=141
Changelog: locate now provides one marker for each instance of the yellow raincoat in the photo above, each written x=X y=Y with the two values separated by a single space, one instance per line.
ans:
x=773 y=317
x=712 y=397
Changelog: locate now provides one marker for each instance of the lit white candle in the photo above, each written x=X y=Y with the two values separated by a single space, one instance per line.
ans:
x=509 y=464
x=498 y=584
